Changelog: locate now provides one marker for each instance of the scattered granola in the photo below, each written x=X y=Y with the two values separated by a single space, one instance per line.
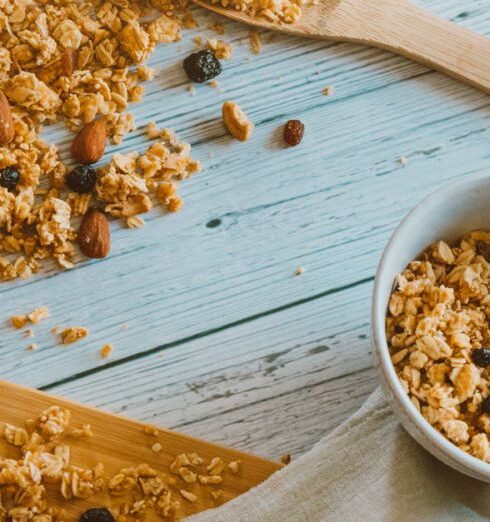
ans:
x=282 y=11
x=438 y=333
x=73 y=334
x=32 y=347
x=327 y=91
x=106 y=351
x=77 y=62
x=34 y=317
x=299 y=271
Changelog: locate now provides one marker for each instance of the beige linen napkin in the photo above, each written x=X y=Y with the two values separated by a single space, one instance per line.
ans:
x=367 y=469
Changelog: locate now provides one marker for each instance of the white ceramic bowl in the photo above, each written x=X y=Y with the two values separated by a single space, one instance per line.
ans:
x=447 y=214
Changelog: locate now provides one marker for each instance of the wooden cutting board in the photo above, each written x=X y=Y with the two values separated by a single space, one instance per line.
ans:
x=120 y=442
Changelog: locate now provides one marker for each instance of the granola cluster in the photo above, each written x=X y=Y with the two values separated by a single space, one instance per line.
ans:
x=438 y=334
x=75 y=61
x=282 y=11
x=45 y=465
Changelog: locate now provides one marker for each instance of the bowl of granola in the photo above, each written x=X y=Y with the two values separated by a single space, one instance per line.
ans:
x=431 y=325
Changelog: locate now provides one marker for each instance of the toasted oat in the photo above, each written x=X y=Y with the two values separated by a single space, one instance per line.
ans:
x=106 y=351
x=167 y=195
x=157 y=447
x=210 y=479
x=180 y=461
x=32 y=347
x=234 y=466
x=300 y=270
x=191 y=497
x=18 y=321
x=221 y=49
x=85 y=432
x=151 y=430
x=255 y=42
x=53 y=422
x=73 y=334
x=38 y=315
x=435 y=326
x=218 y=495
x=135 y=222
x=29 y=333
x=187 y=475
x=328 y=91
x=216 y=466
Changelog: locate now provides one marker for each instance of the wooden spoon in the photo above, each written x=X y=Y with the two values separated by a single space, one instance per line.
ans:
x=396 y=25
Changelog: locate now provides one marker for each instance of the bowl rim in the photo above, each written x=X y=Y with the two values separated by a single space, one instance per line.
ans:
x=378 y=315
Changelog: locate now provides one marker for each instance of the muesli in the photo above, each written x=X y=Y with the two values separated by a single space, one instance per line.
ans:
x=438 y=333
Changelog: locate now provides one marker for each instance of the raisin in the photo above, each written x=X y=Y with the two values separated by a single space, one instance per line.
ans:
x=483 y=249
x=82 y=179
x=293 y=132
x=97 y=515
x=202 y=66
x=485 y=405
x=9 y=177
x=481 y=357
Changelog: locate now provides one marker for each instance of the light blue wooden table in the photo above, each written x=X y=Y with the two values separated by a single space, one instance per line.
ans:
x=222 y=340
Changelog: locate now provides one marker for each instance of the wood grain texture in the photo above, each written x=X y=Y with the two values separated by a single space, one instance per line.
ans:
x=120 y=443
x=194 y=287
x=272 y=386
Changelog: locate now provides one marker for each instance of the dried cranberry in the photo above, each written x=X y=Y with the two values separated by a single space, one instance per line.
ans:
x=202 y=66
x=9 y=177
x=481 y=357
x=97 y=515
x=82 y=179
x=293 y=132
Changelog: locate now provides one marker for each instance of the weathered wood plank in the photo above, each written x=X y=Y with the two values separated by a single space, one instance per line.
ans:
x=328 y=205
x=274 y=385
x=178 y=278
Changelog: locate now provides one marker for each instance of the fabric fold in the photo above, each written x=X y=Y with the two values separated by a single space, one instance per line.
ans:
x=368 y=468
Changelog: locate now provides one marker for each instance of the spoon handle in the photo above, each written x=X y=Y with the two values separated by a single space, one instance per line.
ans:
x=442 y=45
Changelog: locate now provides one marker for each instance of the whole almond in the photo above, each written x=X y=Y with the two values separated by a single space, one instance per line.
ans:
x=89 y=144
x=94 y=235
x=7 y=130
x=68 y=61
